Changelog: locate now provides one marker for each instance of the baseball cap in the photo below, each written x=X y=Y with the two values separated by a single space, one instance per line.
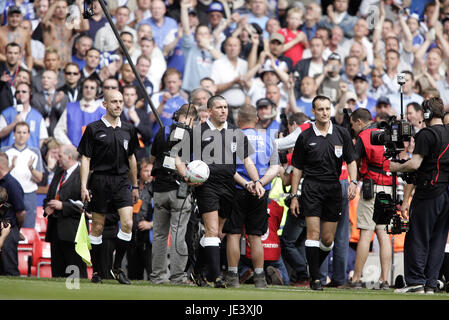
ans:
x=351 y=96
x=414 y=16
x=264 y=102
x=334 y=56
x=216 y=7
x=383 y=100
x=360 y=76
x=193 y=11
x=14 y=9
x=278 y=37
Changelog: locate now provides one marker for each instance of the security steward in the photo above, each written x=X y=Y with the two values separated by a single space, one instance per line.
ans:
x=318 y=156
x=220 y=145
x=108 y=148
x=429 y=210
x=171 y=208
x=373 y=168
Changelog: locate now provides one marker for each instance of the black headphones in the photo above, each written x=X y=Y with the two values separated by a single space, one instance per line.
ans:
x=427 y=111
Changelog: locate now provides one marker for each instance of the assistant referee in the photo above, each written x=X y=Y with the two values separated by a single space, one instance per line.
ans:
x=318 y=156
x=108 y=148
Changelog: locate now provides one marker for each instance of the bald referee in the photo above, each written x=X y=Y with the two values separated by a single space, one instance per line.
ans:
x=107 y=149
x=318 y=156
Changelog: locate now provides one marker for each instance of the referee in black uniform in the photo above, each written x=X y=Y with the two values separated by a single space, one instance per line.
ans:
x=318 y=156
x=108 y=149
x=219 y=144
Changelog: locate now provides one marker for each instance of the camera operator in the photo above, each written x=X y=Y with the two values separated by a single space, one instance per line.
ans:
x=318 y=156
x=5 y=227
x=171 y=210
x=429 y=210
x=373 y=168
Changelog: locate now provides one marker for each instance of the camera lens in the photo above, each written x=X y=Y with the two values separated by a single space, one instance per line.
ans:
x=378 y=138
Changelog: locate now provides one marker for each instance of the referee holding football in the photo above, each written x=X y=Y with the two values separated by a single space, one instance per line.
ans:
x=107 y=148
x=318 y=156
x=221 y=145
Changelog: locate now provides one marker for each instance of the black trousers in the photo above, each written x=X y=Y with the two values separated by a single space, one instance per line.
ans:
x=426 y=240
x=63 y=254
x=9 y=263
x=139 y=259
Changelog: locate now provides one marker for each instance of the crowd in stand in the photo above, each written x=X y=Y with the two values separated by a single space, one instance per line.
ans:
x=277 y=55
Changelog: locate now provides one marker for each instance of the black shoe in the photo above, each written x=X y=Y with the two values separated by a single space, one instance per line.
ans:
x=219 y=283
x=120 y=276
x=316 y=285
x=199 y=280
x=95 y=278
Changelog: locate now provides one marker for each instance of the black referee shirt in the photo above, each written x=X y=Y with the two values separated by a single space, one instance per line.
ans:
x=221 y=150
x=109 y=148
x=321 y=157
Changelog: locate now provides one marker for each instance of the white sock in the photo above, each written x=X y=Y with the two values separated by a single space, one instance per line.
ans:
x=447 y=248
x=124 y=236
x=96 y=240
x=258 y=270
x=312 y=243
x=233 y=269
x=324 y=248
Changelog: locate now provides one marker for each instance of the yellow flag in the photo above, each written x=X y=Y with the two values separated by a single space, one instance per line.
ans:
x=82 y=243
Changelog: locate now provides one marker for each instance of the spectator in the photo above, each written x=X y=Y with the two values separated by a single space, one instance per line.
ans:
x=56 y=34
x=126 y=76
x=312 y=66
x=105 y=40
x=443 y=88
x=377 y=86
x=352 y=68
x=330 y=81
x=51 y=62
x=383 y=106
x=159 y=23
x=97 y=21
x=12 y=32
x=201 y=51
x=259 y=14
x=37 y=47
x=128 y=40
x=408 y=94
x=64 y=215
x=336 y=43
x=82 y=44
x=209 y=84
x=217 y=22
x=228 y=72
x=311 y=18
x=26 y=166
x=50 y=155
x=9 y=71
x=71 y=88
x=168 y=100
x=361 y=90
x=158 y=64
x=272 y=26
x=91 y=69
x=9 y=264
x=361 y=32
x=137 y=117
x=141 y=12
x=309 y=91
x=199 y=96
x=266 y=114
x=337 y=15
x=275 y=45
x=40 y=8
x=142 y=66
x=22 y=112
x=50 y=103
x=79 y=114
x=325 y=35
x=139 y=252
x=295 y=40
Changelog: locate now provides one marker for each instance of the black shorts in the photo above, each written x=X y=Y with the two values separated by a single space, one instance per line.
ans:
x=215 y=196
x=109 y=193
x=321 y=199
x=249 y=212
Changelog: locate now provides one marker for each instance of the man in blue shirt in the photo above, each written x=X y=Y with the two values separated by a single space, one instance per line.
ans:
x=266 y=113
x=250 y=210
x=361 y=87
x=408 y=95
x=159 y=23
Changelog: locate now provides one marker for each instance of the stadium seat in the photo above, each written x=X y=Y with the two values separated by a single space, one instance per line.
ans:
x=31 y=235
x=41 y=258
x=39 y=212
x=41 y=226
x=44 y=270
x=25 y=260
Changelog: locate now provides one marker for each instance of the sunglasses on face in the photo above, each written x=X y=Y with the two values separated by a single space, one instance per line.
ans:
x=109 y=87
x=72 y=73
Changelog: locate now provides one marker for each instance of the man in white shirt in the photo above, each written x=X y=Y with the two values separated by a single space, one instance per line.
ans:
x=26 y=167
x=79 y=114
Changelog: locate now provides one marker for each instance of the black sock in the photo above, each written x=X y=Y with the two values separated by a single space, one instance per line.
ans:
x=313 y=260
x=121 y=246
x=212 y=257
x=95 y=254
x=199 y=260
x=445 y=267
x=323 y=256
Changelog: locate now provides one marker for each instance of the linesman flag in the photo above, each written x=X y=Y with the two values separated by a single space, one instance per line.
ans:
x=82 y=243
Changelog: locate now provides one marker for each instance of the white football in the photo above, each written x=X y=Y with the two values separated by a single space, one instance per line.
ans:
x=197 y=171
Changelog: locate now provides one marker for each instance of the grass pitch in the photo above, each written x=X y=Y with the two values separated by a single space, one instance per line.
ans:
x=13 y=288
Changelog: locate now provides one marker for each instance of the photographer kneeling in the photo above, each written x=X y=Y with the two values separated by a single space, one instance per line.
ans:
x=429 y=210
x=5 y=226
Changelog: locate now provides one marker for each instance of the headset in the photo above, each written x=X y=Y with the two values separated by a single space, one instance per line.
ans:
x=427 y=111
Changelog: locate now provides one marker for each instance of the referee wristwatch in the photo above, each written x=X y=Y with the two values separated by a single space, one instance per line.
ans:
x=135 y=187
x=354 y=182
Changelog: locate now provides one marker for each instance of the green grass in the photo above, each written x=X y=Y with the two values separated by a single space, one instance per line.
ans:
x=12 y=288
